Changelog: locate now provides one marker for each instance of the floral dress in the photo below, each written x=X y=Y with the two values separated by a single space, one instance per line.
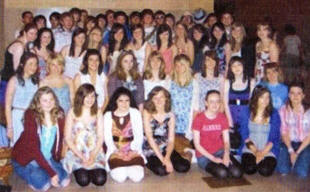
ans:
x=181 y=105
x=123 y=136
x=85 y=140
x=160 y=135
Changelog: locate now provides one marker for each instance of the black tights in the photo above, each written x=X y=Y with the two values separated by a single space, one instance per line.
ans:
x=97 y=176
x=265 y=167
x=179 y=164
x=222 y=172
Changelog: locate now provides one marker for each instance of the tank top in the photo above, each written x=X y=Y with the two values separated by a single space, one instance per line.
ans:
x=99 y=86
x=140 y=56
x=73 y=65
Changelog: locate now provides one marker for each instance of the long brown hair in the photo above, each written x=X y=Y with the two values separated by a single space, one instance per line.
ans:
x=257 y=93
x=35 y=105
x=148 y=69
x=80 y=95
x=213 y=55
x=119 y=71
x=150 y=107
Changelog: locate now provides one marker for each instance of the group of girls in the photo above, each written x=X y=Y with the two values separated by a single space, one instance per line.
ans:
x=92 y=109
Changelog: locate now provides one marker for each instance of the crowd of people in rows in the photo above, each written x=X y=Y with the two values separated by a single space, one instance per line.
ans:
x=114 y=93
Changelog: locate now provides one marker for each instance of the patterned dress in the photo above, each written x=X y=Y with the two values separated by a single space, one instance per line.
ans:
x=160 y=135
x=181 y=105
x=206 y=85
x=85 y=140
x=262 y=58
x=123 y=136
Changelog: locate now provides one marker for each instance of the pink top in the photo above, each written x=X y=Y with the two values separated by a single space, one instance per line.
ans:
x=168 y=58
x=296 y=124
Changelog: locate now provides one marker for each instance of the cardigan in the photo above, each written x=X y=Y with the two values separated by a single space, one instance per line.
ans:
x=27 y=147
x=114 y=83
x=137 y=129
x=274 y=134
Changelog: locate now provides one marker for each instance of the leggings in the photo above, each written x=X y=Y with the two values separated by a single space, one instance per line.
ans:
x=264 y=167
x=97 y=176
x=179 y=164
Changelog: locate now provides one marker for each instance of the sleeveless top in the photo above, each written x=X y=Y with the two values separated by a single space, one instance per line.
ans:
x=99 y=86
x=63 y=95
x=113 y=61
x=160 y=132
x=24 y=94
x=262 y=58
x=8 y=68
x=140 y=56
x=73 y=65
x=181 y=105
x=238 y=101
x=167 y=56
x=42 y=68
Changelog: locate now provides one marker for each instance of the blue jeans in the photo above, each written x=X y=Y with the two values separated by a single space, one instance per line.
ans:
x=203 y=161
x=36 y=176
x=302 y=164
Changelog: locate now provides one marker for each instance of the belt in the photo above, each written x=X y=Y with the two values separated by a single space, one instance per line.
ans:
x=238 y=102
x=122 y=139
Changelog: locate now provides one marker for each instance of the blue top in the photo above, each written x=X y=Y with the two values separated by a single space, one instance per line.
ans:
x=63 y=95
x=279 y=94
x=47 y=140
x=24 y=94
x=274 y=134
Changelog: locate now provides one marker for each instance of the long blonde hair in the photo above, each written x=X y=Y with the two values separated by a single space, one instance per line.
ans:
x=176 y=77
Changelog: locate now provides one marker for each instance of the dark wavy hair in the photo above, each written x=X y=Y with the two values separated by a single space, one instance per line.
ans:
x=56 y=111
x=75 y=33
x=112 y=105
x=133 y=28
x=81 y=93
x=20 y=70
x=161 y=29
x=230 y=74
x=198 y=45
x=214 y=43
x=150 y=107
x=257 y=93
x=112 y=42
x=89 y=53
x=37 y=42
x=213 y=55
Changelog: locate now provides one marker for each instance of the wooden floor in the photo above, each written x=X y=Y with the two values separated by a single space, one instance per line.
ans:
x=189 y=182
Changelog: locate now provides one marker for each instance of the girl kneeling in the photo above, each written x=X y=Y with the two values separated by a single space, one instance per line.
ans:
x=37 y=152
x=159 y=124
x=211 y=139
x=123 y=133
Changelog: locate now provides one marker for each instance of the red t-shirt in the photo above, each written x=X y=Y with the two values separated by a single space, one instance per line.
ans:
x=211 y=138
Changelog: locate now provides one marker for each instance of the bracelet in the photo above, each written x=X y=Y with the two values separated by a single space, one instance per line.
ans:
x=290 y=150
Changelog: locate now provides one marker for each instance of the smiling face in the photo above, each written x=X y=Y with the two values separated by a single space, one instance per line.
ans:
x=180 y=30
x=96 y=35
x=218 y=33
x=67 y=23
x=89 y=100
x=127 y=63
x=30 y=67
x=237 y=33
x=55 y=67
x=210 y=63
x=155 y=63
x=138 y=34
x=264 y=100
x=263 y=31
x=164 y=36
x=93 y=62
x=47 y=102
x=227 y=19
x=237 y=68
x=181 y=67
x=80 y=39
x=159 y=100
x=197 y=35
x=213 y=103
x=46 y=38
x=123 y=103
x=31 y=34
x=272 y=75
x=119 y=35
x=296 y=95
